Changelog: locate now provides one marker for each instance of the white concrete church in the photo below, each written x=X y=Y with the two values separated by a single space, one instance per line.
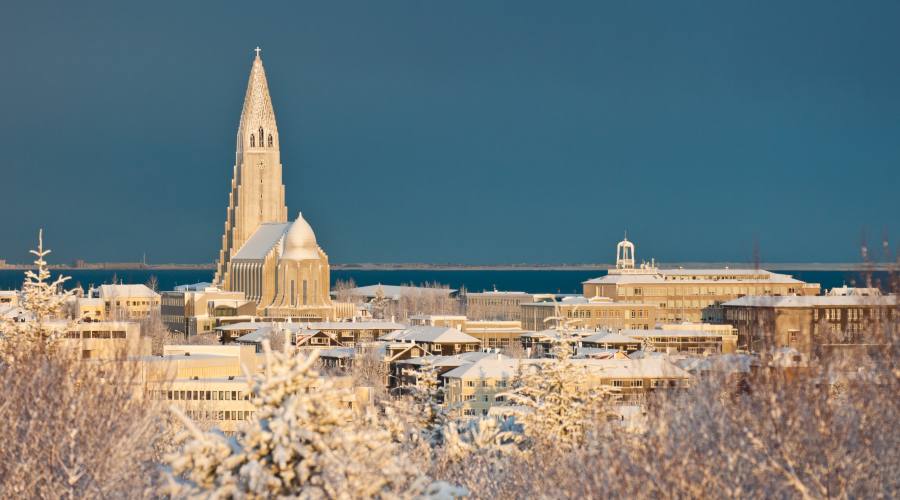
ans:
x=276 y=263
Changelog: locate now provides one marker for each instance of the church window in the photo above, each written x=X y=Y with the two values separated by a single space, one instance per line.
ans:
x=252 y=141
x=261 y=137
x=270 y=140
x=293 y=296
x=304 y=292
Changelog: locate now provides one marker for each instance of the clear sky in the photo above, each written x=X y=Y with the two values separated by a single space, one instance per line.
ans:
x=458 y=131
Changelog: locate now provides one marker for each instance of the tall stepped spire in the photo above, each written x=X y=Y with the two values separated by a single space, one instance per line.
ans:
x=257 y=123
x=257 y=192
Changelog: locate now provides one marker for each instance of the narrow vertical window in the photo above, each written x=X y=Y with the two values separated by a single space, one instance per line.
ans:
x=261 y=137
x=252 y=141
x=270 y=140
x=304 y=292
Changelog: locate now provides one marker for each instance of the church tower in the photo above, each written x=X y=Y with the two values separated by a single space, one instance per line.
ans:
x=257 y=191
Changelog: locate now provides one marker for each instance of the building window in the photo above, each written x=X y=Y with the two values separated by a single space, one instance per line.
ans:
x=252 y=141
x=270 y=140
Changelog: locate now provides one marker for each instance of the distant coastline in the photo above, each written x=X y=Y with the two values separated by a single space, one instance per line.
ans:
x=795 y=266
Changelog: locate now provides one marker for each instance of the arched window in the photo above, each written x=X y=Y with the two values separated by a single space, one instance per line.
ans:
x=261 y=137
x=252 y=141
x=270 y=140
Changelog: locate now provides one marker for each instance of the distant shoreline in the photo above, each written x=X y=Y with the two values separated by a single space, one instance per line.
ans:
x=792 y=266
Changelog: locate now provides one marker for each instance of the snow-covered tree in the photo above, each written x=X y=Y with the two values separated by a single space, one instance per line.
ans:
x=304 y=441
x=552 y=399
x=42 y=300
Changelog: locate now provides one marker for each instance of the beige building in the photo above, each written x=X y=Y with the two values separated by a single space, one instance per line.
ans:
x=683 y=294
x=276 y=263
x=690 y=338
x=590 y=313
x=127 y=302
x=496 y=305
x=103 y=339
x=9 y=298
x=195 y=310
x=491 y=333
x=473 y=389
x=820 y=325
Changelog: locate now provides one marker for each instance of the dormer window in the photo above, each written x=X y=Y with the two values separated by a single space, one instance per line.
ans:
x=270 y=140
x=252 y=141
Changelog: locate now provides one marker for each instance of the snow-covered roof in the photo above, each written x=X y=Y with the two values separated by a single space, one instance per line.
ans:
x=496 y=366
x=244 y=325
x=452 y=360
x=338 y=352
x=656 y=332
x=88 y=301
x=695 y=276
x=263 y=240
x=126 y=291
x=352 y=325
x=813 y=301
x=193 y=287
x=610 y=338
x=652 y=367
x=433 y=334
x=397 y=291
x=723 y=363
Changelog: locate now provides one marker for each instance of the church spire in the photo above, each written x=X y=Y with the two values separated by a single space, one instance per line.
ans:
x=257 y=127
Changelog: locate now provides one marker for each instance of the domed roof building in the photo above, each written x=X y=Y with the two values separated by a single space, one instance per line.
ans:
x=276 y=263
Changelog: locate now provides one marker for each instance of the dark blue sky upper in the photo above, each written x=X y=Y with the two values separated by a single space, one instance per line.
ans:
x=466 y=131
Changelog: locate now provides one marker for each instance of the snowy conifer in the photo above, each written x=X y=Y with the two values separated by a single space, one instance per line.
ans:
x=304 y=441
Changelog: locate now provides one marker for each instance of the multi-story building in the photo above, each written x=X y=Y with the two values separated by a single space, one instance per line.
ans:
x=691 y=338
x=589 y=313
x=196 y=309
x=683 y=294
x=474 y=388
x=819 y=325
x=127 y=302
x=435 y=339
x=9 y=298
x=491 y=333
x=496 y=305
x=103 y=339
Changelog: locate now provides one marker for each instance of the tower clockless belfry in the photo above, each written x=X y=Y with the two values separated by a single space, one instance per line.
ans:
x=276 y=263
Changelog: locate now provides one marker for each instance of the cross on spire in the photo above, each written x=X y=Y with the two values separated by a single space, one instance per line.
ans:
x=258 y=50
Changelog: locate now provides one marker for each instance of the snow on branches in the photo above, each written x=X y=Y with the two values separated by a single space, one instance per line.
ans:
x=305 y=441
x=42 y=300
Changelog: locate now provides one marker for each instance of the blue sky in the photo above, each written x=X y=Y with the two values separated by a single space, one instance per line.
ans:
x=465 y=131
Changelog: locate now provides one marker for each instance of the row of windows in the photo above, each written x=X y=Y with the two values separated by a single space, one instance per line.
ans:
x=484 y=383
x=219 y=415
x=201 y=395
x=704 y=290
x=118 y=334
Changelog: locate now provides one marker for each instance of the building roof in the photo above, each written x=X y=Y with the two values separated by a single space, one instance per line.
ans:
x=433 y=334
x=695 y=276
x=452 y=360
x=193 y=287
x=395 y=292
x=649 y=367
x=353 y=325
x=492 y=367
x=813 y=301
x=659 y=332
x=610 y=338
x=263 y=240
x=126 y=291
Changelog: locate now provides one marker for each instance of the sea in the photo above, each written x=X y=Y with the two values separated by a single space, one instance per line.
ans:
x=532 y=281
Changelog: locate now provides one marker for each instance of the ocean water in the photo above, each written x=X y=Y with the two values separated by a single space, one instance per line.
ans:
x=474 y=281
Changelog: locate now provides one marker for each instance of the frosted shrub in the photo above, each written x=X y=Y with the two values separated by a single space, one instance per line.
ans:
x=305 y=441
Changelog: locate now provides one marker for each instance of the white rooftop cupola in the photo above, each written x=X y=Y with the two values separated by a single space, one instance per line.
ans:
x=625 y=254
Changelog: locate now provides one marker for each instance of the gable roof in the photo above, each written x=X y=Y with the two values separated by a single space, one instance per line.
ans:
x=262 y=241
x=433 y=334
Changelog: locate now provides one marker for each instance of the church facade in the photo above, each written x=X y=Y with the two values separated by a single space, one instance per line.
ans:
x=276 y=263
